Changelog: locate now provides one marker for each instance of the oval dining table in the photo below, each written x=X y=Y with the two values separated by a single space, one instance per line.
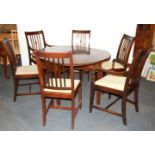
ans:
x=84 y=61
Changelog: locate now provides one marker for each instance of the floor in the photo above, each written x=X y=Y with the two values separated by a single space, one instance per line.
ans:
x=25 y=113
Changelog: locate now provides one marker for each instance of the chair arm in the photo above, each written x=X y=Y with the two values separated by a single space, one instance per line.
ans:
x=117 y=73
x=48 y=45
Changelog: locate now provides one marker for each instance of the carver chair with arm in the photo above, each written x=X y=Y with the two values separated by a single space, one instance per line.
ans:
x=19 y=73
x=55 y=84
x=35 y=41
x=120 y=63
x=120 y=84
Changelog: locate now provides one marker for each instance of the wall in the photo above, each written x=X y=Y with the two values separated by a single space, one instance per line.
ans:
x=57 y=18
x=103 y=36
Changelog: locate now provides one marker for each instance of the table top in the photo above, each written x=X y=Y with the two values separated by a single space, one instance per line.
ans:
x=83 y=59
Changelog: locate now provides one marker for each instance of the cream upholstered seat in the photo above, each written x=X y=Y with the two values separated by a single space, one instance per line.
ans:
x=112 y=81
x=24 y=70
x=68 y=84
x=107 y=65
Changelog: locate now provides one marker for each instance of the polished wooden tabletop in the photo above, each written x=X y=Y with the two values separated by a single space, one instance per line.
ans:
x=83 y=59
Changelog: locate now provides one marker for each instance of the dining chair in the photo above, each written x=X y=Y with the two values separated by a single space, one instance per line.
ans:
x=120 y=84
x=35 y=41
x=54 y=83
x=81 y=44
x=20 y=73
x=120 y=63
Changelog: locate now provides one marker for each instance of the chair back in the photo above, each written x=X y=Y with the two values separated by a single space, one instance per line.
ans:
x=15 y=43
x=35 y=41
x=7 y=47
x=81 y=41
x=136 y=68
x=53 y=71
x=125 y=48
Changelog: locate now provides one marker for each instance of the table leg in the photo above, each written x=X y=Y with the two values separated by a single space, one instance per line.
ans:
x=98 y=94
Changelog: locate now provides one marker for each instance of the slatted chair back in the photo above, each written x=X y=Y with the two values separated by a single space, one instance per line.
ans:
x=81 y=41
x=52 y=70
x=11 y=55
x=125 y=48
x=35 y=41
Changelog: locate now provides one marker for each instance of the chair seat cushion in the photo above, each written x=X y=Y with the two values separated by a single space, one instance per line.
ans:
x=112 y=81
x=26 y=70
x=107 y=65
x=68 y=84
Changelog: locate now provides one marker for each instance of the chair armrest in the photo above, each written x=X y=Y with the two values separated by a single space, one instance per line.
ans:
x=48 y=45
x=117 y=73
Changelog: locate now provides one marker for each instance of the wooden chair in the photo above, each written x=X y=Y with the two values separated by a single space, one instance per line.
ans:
x=120 y=84
x=19 y=72
x=54 y=83
x=121 y=61
x=35 y=41
x=81 y=44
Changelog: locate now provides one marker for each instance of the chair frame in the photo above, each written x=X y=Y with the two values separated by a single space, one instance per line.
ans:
x=123 y=52
x=6 y=46
x=36 y=38
x=131 y=85
x=46 y=62
x=81 y=49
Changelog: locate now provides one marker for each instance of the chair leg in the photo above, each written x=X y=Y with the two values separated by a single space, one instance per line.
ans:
x=72 y=114
x=16 y=82
x=80 y=97
x=44 y=110
x=81 y=75
x=124 y=110
x=88 y=75
x=91 y=98
x=136 y=99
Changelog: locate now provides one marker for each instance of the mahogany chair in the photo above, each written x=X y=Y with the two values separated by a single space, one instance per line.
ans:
x=121 y=61
x=35 y=41
x=19 y=72
x=120 y=84
x=81 y=44
x=54 y=83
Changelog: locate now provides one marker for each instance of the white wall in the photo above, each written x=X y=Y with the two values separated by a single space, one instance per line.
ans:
x=58 y=17
x=103 y=36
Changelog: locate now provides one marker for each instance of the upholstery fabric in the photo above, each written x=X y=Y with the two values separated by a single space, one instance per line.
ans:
x=24 y=70
x=112 y=81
